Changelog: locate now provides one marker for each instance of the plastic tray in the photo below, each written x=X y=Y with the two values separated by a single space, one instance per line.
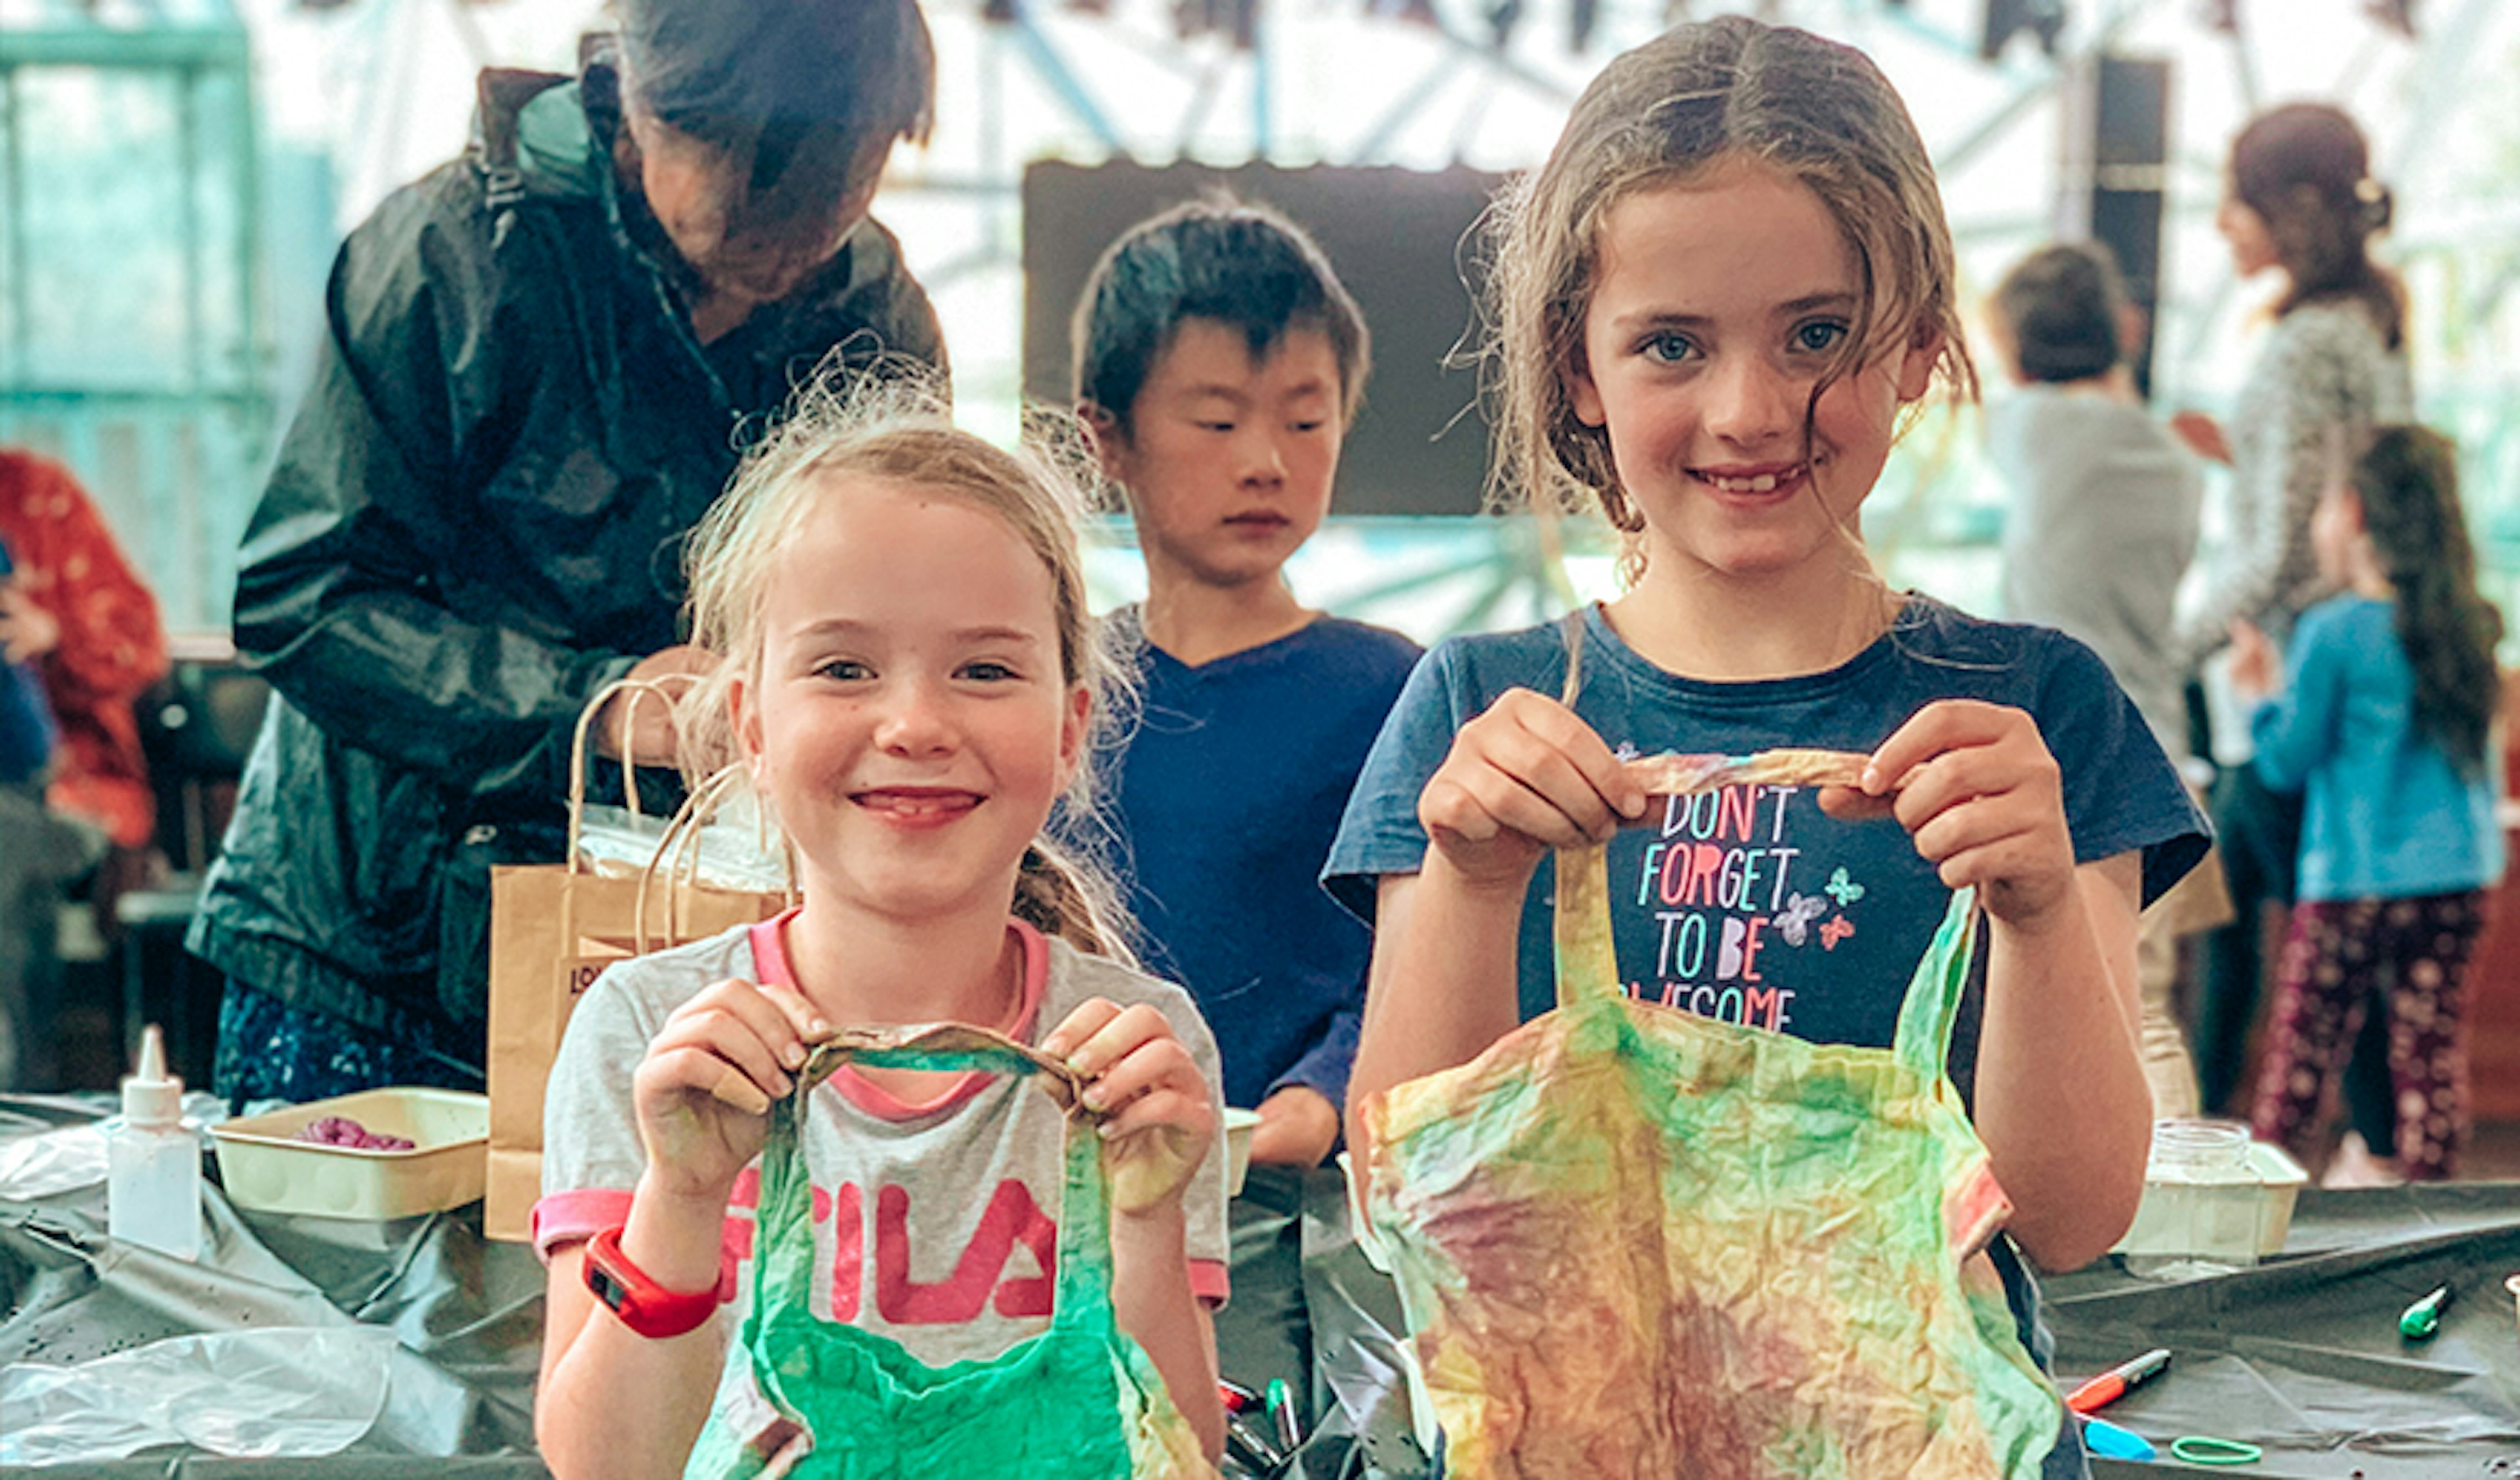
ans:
x=2234 y=1223
x=263 y=1167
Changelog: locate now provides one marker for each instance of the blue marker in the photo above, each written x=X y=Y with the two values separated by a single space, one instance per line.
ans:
x=2110 y=1441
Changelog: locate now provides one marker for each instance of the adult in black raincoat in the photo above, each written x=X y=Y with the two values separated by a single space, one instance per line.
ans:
x=539 y=362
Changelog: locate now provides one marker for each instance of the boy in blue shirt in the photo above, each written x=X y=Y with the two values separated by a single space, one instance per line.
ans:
x=1219 y=362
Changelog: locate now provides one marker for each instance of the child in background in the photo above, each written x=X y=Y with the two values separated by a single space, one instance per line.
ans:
x=27 y=731
x=1717 y=300
x=2100 y=528
x=910 y=679
x=30 y=967
x=2383 y=715
x=1219 y=362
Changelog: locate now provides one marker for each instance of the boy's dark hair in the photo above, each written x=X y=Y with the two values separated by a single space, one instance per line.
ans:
x=2062 y=305
x=767 y=79
x=1241 y=264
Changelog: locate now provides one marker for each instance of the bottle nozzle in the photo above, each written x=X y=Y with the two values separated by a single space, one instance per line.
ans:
x=151 y=1097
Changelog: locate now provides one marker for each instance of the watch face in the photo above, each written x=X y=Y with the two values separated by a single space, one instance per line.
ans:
x=612 y=1292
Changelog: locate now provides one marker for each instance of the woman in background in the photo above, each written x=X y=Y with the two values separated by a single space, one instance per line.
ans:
x=2299 y=200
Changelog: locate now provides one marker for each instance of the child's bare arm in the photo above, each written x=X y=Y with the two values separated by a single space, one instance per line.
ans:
x=2061 y=1099
x=611 y=1401
x=1159 y=1124
x=1524 y=778
x=1150 y=1294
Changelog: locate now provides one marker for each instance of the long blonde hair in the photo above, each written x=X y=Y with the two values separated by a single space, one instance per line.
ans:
x=1815 y=111
x=837 y=431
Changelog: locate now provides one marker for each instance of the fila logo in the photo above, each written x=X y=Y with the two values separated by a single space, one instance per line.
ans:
x=979 y=1279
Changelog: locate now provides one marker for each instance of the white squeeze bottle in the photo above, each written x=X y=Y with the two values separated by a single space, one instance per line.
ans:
x=152 y=1190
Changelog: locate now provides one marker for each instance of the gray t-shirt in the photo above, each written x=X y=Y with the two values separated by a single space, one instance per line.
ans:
x=935 y=1224
x=2098 y=532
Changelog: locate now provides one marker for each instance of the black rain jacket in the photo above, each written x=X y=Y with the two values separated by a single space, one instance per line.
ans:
x=476 y=521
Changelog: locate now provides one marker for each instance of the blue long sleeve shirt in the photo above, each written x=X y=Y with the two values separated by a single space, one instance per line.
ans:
x=26 y=731
x=2387 y=814
x=1227 y=799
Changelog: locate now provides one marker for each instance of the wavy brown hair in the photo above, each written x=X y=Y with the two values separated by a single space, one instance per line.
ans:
x=2408 y=482
x=2305 y=170
x=1665 y=113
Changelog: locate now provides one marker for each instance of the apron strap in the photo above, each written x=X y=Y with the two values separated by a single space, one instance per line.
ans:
x=1083 y=1293
x=782 y=1220
x=1933 y=1003
x=1588 y=957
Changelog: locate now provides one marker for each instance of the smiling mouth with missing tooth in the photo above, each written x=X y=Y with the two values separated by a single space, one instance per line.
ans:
x=1766 y=482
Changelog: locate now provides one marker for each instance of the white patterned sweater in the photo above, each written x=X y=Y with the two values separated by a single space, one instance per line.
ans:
x=2324 y=379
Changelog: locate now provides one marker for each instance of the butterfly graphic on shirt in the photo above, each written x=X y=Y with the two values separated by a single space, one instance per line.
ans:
x=1800 y=909
x=1843 y=890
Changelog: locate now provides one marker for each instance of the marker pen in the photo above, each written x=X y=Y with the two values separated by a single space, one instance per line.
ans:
x=2109 y=1386
x=2423 y=1318
x=1282 y=1409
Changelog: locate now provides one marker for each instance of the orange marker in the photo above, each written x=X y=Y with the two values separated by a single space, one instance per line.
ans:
x=2109 y=1386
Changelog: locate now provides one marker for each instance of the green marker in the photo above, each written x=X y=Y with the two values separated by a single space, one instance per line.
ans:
x=1282 y=1409
x=2423 y=1318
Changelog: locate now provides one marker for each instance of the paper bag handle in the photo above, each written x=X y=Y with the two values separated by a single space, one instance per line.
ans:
x=637 y=689
x=678 y=857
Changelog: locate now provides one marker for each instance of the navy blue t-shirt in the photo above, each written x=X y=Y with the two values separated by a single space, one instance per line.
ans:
x=1750 y=904
x=1226 y=799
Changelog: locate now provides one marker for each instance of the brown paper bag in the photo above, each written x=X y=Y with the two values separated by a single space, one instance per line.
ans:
x=554 y=927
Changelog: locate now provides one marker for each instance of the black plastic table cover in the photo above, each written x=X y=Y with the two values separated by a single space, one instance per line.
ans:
x=2300 y=1355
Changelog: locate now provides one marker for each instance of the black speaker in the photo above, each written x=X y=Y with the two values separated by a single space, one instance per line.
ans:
x=1421 y=446
x=2114 y=157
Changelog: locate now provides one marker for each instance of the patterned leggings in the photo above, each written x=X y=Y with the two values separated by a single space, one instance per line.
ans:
x=2340 y=958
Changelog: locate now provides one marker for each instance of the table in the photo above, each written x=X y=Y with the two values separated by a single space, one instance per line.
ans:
x=467 y=1314
x=2300 y=1355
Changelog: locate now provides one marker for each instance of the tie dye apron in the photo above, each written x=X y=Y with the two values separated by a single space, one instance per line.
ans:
x=1081 y=1400
x=1635 y=1241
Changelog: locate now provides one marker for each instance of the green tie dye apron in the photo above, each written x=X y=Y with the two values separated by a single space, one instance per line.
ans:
x=1635 y=1241
x=1081 y=1399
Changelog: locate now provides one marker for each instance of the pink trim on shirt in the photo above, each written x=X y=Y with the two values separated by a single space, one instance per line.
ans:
x=770 y=959
x=1208 y=1281
x=575 y=1216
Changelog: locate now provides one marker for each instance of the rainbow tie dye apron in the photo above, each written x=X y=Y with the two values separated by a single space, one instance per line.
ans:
x=1081 y=1400
x=1635 y=1241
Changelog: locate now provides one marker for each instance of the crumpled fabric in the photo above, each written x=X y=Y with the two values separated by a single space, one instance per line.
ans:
x=1081 y=1400
x=1631 y=1240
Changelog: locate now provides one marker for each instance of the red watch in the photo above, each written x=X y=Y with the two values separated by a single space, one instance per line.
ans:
x=643 y=1305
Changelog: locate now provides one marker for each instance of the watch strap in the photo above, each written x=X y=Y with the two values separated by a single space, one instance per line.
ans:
x=638 y=1301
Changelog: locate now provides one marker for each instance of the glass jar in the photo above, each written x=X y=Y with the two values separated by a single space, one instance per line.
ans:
x=2201 y=1202
x=2198 y=1151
